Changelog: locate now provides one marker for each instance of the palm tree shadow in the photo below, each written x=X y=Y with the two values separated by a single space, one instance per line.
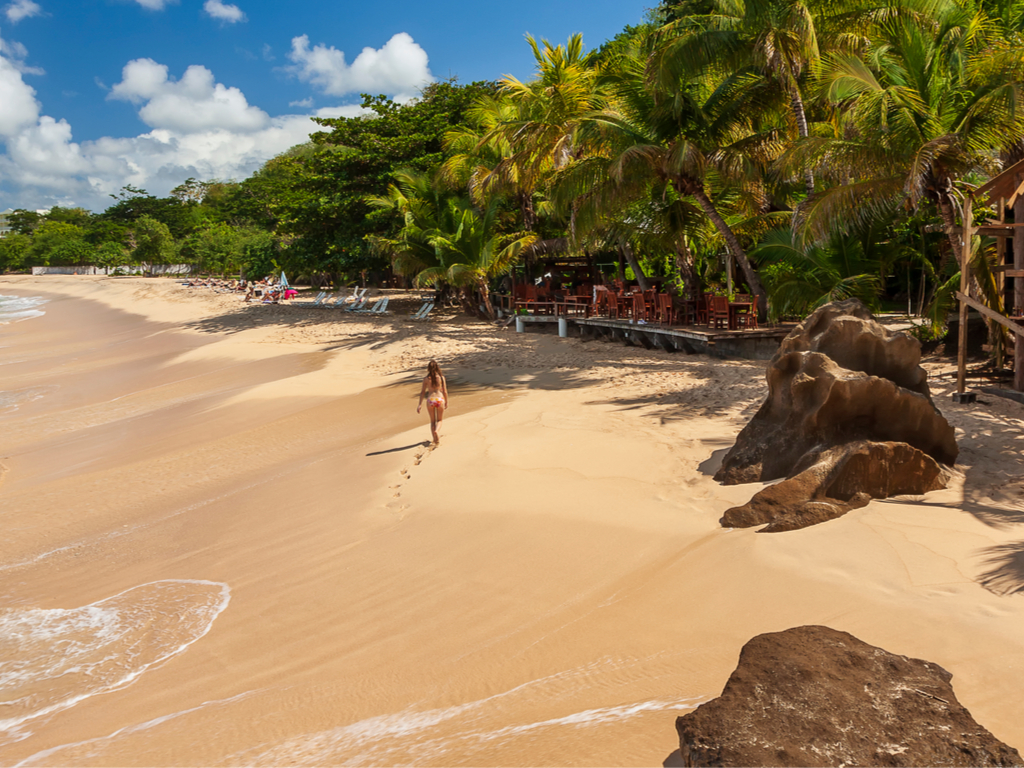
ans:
x=1005 y=574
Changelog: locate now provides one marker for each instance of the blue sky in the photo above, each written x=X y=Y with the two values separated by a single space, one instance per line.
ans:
x=95 y=94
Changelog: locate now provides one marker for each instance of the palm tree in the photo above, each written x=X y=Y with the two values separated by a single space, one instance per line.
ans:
x=802 y=277
x=926 y=103
x=776 y=39
x=445 y=239
x=681 y=138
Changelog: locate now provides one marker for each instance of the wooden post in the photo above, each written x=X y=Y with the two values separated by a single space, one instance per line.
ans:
x=965 y=268
x=1018 y=285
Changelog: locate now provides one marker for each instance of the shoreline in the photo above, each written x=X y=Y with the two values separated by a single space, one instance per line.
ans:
x=550 y=586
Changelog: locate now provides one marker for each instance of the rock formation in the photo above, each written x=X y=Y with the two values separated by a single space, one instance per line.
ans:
x=817 y=696
x=838 y=380
x=840 y=479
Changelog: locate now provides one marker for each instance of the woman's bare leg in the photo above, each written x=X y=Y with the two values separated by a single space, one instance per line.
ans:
x=433 y=421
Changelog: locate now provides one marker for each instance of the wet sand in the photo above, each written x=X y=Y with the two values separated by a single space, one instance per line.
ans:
x=227 y=543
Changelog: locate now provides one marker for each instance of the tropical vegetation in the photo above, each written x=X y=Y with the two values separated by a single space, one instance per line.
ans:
x=801 y=149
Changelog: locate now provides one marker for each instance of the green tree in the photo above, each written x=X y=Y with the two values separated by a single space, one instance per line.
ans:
x=59 y=243
x=151 y=242
x=356 y=158
x=14 y=251
x=216 y=247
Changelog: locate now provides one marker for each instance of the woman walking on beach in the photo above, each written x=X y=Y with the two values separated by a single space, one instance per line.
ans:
x=435 y=389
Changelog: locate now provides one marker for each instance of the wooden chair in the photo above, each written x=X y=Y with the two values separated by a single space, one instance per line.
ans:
x=718 y=312
x=666 y=314
x=747 y=319
x=619 y=305
x=639 y=308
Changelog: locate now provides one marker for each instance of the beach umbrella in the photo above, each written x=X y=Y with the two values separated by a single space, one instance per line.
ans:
x=284 y=281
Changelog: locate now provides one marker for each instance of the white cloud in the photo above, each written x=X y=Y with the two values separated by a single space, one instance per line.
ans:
x=200 y=128
x=22 y=9
x=20 y=108
x=225 y=12
x=305 y=103
x=155 y=5
x=195 y=103
x=398 y=69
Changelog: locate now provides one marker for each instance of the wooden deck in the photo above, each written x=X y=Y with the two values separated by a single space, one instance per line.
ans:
x=750 y=345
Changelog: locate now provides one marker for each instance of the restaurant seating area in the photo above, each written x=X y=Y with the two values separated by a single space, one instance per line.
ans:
x=629 y=303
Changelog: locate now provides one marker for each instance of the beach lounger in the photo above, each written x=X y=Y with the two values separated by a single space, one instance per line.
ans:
x=356 y=306
x=423 y=311
x=373 y=308
x=315 y=303
x=383 y=308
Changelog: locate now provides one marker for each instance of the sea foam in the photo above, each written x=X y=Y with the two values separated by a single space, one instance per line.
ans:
x=51 y=659
x=15 y=308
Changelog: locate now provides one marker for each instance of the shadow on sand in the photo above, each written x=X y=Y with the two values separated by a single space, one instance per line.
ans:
x=992 y=451
x=421 y=444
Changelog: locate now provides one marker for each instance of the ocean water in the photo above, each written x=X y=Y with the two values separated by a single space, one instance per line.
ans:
x=51 y=659
x=15 y=308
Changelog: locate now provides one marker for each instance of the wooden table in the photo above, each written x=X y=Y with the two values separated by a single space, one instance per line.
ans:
x=734 y=307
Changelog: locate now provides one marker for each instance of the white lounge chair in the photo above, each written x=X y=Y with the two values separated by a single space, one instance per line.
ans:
x=376 y=304
x=315 y=303
x=356 y=306
x=423 y=311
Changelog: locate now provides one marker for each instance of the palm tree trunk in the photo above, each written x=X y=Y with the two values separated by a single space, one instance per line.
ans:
x=733 y=244
x=686 y=268
x=801 y=126
x=485 y=294
x=1018 y=290
x=641 y=278
x=948 y=214
x=527 y=211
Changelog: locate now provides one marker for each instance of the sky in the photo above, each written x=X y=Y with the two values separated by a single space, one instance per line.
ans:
x=99 y=94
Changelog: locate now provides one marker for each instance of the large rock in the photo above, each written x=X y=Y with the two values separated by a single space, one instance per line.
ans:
x=838 y=480
x=817 y=696
x=839 y=377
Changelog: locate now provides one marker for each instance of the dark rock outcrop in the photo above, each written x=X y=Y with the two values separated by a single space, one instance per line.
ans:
x=840 y=479
x=839 y=377
x=817 y=696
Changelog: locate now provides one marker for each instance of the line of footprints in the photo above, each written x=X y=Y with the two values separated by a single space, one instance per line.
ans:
x=419 y=456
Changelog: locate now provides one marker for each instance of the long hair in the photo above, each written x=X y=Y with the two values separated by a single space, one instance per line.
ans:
x=434 y=372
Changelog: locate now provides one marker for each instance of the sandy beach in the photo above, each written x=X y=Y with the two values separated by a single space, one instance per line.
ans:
x=226 y=541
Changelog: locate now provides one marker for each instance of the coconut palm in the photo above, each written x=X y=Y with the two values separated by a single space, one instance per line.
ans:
x=445 y=239
x=776 y=39
x=699 y=134
x=926 y=103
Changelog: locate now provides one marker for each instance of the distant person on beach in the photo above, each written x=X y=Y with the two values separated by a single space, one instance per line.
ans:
x=435 y=389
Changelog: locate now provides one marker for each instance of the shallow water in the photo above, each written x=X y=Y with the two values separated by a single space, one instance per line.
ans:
x=15 y=308
x=54 y=658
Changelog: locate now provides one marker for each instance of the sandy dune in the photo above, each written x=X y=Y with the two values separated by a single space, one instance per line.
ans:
x=226 y=542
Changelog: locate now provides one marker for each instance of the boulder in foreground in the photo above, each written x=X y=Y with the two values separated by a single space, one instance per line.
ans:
x=818 y=696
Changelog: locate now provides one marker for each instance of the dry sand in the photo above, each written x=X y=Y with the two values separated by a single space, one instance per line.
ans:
x=225 y=542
